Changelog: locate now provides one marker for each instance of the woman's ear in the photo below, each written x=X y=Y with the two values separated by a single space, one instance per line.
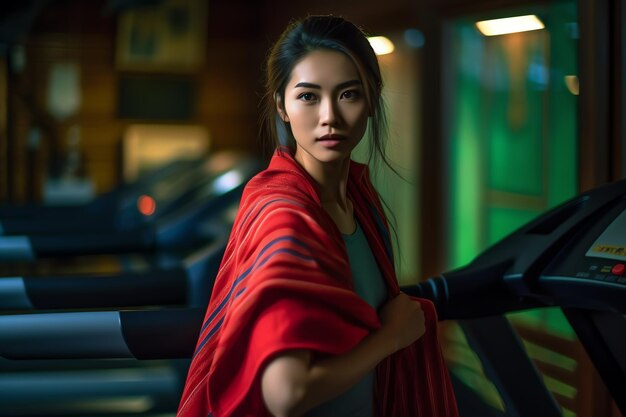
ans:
x=281 y=108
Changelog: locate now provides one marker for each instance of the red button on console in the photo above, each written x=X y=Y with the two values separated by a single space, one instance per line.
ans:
x=618 y=269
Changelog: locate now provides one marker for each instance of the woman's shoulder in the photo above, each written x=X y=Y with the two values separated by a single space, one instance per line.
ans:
x=285 y=183
x=284 y=176
x=280 y=196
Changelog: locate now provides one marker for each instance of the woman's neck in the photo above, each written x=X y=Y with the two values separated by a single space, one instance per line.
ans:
x=332 y=179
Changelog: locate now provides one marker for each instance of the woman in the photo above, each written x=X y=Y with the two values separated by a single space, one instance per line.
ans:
x=306 y=316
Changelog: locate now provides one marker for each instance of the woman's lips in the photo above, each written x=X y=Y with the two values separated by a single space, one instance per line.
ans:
x=331 y=141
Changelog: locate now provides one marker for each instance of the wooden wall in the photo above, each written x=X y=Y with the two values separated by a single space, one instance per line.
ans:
x=228 y=85
x=227 y=90
x=374 y=17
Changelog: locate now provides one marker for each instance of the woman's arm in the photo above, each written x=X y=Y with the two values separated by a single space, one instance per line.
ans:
x=293 y=384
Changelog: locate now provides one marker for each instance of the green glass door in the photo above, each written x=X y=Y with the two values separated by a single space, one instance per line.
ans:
x=511 y=144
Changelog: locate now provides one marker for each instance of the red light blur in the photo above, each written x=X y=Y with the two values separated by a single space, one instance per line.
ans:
x=146 y=205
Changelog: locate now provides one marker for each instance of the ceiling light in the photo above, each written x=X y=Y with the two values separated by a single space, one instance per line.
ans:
x=509 y=25
x=381 y=45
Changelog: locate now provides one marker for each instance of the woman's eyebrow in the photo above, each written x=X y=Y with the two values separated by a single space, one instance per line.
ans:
x=350 y=83
x=307 y=85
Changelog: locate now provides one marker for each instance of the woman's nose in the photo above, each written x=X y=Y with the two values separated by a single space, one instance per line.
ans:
x=329 y=114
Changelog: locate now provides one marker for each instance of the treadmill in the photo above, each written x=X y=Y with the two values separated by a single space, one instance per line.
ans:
x=187 y=281
x=172 y=231
x=571 y=257
x=124 y=384
x=119 y=198
x=140 y=205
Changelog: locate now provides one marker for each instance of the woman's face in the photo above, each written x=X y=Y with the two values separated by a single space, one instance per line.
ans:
x=324 y=103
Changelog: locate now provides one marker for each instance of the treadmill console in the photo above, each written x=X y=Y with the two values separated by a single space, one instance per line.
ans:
x=590 y=271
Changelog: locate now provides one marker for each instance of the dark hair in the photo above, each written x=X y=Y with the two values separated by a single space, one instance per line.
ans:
x=336 y=34
x=307 y=35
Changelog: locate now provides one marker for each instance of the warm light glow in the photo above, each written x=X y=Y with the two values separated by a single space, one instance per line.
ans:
x=146 y=205
x=509 y=25
x=381 y=45
x=571 y=81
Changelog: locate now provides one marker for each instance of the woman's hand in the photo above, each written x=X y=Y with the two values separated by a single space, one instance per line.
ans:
x=402 y=320
x=292 y=383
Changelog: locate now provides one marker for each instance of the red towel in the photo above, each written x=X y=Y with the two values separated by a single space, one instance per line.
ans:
x=285 y=283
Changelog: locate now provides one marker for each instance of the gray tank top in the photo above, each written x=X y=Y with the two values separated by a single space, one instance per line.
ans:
x=368 y=284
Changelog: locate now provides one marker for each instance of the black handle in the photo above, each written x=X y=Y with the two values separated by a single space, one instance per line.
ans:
x=163 y=334
x=92 y=244
x=471 y=293
x=61 y=224
x=153 y=287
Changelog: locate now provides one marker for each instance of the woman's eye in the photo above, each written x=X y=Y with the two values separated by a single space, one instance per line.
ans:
x=306 y=96
x=350 y=95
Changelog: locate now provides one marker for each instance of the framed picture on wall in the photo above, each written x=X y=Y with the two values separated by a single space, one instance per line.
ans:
x=166 y=37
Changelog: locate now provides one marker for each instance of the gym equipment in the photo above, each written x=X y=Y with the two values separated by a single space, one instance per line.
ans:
x=188 y=283
x=119 y=387
x=571 y=257
x=177 y=230
x=123 y=196
x=145 y=202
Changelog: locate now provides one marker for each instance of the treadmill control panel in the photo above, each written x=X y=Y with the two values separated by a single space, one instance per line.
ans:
x=591 y=268
x=597 y=252
x=609 y=247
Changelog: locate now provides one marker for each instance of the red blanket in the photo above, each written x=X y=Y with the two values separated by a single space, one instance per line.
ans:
x=285 y=283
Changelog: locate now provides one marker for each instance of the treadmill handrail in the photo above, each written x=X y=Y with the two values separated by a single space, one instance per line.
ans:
x=188 y=282
x=146 y=288
x=150 y=334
